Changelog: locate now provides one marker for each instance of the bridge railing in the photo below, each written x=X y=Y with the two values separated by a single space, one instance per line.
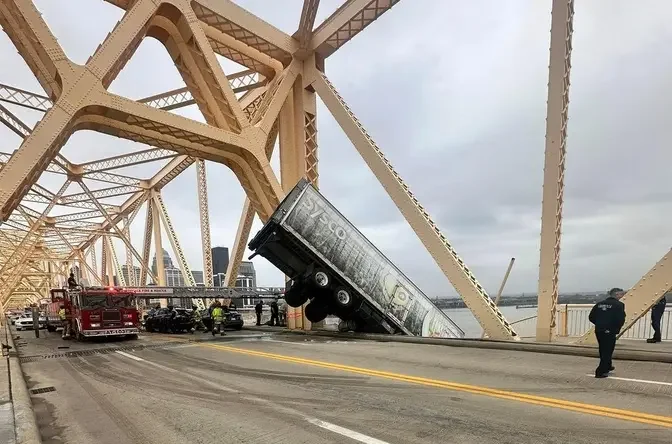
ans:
x=572 y=320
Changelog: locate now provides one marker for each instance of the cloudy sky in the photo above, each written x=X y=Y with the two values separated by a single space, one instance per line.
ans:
x=454 y=92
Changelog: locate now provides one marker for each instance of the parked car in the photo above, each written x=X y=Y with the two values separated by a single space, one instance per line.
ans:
x=232 y=319
x=25 y=322
x=166 y=321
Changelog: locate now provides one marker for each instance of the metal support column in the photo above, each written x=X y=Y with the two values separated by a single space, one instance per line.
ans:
x=554 y=166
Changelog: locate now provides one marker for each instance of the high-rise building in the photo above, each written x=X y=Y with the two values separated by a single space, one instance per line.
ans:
x=247 y=275
x=198 y=276
x=135 y=273
x=218 y=279
x=220 y=259
x=167 y=261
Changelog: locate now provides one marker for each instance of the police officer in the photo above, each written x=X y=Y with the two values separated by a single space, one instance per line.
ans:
x=656 y=316
x=258 y=309
x=608 y=316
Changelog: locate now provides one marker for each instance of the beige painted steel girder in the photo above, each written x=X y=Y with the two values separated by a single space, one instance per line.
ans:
x=642 y=296
x=562 y=15
x=27 y=99
x=457 y=272
x=346 y=22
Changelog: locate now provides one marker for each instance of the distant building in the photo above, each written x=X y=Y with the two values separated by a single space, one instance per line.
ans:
x=135 y=274
x=218 y=279
x=198 y=276
x=247 y=275
x=220 y=260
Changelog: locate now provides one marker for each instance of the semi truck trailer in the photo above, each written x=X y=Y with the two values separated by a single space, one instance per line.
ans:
x=338 y=271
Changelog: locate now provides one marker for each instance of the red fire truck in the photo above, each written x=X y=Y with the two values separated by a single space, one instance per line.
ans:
x=95 y=311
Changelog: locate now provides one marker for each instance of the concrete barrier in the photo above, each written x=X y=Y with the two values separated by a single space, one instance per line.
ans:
x=24 y=416
x=621 y=353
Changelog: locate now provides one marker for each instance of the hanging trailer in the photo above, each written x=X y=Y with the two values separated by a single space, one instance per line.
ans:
x=342 y=273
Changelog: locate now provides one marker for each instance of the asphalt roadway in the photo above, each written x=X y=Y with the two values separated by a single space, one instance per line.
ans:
x=256 y=387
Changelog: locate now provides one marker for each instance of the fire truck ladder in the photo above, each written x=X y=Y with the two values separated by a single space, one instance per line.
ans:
x=201 y=293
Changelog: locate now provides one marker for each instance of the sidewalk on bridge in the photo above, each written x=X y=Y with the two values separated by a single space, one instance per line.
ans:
x=17 y=420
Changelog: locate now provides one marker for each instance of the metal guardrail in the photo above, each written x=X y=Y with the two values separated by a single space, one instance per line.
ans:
x=572 y=321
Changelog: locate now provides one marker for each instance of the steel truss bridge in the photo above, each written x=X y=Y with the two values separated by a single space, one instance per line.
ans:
x=273 y=99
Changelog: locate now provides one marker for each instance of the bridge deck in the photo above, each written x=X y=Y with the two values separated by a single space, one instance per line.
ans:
x=262 y=387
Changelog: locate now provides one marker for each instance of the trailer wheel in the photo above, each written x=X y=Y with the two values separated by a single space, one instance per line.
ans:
x=347 y=325
x=316 y=311
x=320 y=278
x=343 y=298
x=296 y=296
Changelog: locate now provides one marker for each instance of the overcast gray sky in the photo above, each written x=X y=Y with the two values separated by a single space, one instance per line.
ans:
x=454 y=92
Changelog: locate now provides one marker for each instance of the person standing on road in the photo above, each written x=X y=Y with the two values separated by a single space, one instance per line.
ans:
x=258 y=309
x=274 y=313
x=198 y=319
x=608 y=316
x=656 y=317
x=217 y=319
x=64 y=322
x=282 y=312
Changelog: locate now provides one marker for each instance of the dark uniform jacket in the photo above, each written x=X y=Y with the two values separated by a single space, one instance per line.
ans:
x=660 y=305
x=608 y=315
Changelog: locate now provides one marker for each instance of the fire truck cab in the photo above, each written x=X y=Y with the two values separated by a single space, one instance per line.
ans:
x=95 y=311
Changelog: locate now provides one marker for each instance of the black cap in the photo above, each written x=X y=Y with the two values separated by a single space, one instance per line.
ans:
x=615 y=290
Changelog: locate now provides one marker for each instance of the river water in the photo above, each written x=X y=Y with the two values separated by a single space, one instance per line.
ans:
x=472 y=329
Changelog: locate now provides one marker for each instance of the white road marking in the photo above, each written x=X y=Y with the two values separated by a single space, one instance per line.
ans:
x=644 y=381
x=172 y=370
x=345 y=432
x=128 y=355
x=318 y=422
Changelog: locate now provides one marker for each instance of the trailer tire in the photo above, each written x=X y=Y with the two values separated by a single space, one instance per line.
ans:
x=347 y=325
x=343 y=298
x=320 y=278
x=316 y=311
x=296 y=296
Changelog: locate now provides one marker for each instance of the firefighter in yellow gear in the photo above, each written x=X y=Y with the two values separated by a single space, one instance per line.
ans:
x=217 y=319
x=197 y=319
x=64 y=322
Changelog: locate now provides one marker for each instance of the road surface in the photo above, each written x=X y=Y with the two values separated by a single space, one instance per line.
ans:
x=252 y=387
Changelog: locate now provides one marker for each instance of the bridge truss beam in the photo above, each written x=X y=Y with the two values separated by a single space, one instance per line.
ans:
x=278 y=95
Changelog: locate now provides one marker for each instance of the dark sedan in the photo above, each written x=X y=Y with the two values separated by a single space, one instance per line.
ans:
x=164 y=320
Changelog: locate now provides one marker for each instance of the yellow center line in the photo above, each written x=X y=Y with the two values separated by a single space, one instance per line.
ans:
x=627 y=415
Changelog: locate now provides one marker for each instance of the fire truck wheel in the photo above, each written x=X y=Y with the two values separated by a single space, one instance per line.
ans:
x=316 y=311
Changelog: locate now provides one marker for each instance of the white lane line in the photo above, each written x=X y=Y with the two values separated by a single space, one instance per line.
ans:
x=128 y=355
x=181 y=373
x=644 y=381
x=318 y=422
x=345 y=432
